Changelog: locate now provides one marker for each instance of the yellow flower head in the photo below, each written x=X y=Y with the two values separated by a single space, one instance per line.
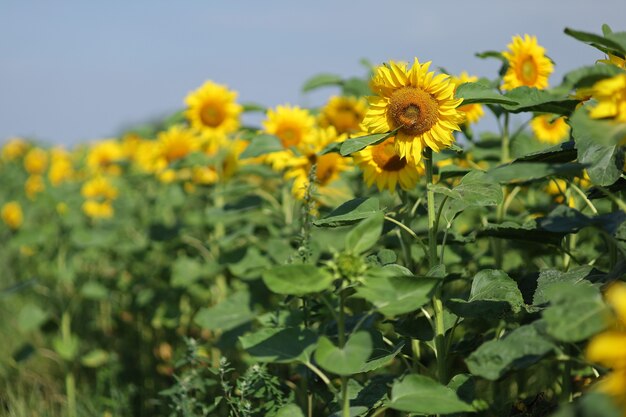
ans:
x=14 y=148
x=293 y=126
x=473 y=112
x=103 y=157
x=212 y=108
x=98 y=210
x=34 y=185
x=176 y=143
x=99 y=188
x=61 y=168
x=610 y=94
x=418 y=103
x=550 y=128
x=343 y=113
x=528 y=64
x=36 y=161
x=382 y=165
x=12 y=214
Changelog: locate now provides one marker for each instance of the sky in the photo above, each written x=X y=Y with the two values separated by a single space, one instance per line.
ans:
x=73 y=71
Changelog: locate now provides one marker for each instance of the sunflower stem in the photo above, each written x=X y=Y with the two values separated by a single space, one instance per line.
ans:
x=505 y=156
x=433 y=261
x=341 y=330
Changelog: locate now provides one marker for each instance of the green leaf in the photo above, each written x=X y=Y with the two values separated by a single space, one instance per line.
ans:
x=365 y=235
x=356 y=87
x=587 y=76
x=591 y=404
x=262 y=144
x=475 y=189
x=529 y=171
x=549 y=277
x=493 y=294
x=297 y=279
x=253 y=107
x=251 y=266
x=563 y=152
x=518 y=349
x=614 y=43
x=280 y=345
x=291 y=410
x=393 y=294
x=347 y=361
x=535 y=100
x=479 y=92
x=350 y=212
x=185 y=272
x=31 y=316
x=95 y=358
x=381 y=356
x=527 y=232
x=94 y=291
x=423 y=395
x=67 y=348
x=321 y=80
x=353 y=145
x=230 y=313
x=576 y=313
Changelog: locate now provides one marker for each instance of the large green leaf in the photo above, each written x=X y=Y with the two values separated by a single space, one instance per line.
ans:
x=297 y=279
x=291 y=410
x=186 y=271
x=519 y=349
x=587 y=76
x=576 y=313
x=528 y=171
x=347 y=361
x=393 y=294
x=230 y=313
x=321 y=80
x=381 y=356
x=493 y=294
x=532 y=99
x=261 y=145
x=365 y=235
x=30 y=317
x=423 y=395
x=614 y=43
x=353 y=145
x=350 y=212
x=549 y=278
x=563 y=152
x=475 y=189
x=480 y=92
x=280 y=345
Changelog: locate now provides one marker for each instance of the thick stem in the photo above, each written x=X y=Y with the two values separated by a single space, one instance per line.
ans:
x=433 y=261
x=341 y=330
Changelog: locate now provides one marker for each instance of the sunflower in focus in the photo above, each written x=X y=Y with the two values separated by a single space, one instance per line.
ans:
x=104 y=156
x=293 y=126
x=609 y=348
x=473 y=112
x=213 y=108
x=528 y=64
x=36 y=161
x=12 y=215
x=382 y=165
x=610 y=94
x=343 y=113
x=327 y=166
x=417 y=103
x=14 y=148
x=549 y=128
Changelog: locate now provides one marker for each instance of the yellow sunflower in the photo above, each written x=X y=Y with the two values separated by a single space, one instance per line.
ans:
x=34 y=185
x=212 y=108
x=104 y=156
x=14 y=148
x=99 y=188
x=550 y=128
x=98 y=209
x=610 y=94
x=343 y=113
x=528 y=64
x=418 y=103
x=293 y=126
x=36 y=161
x=61 y=168
x=12 y=215
x=473 y=112
x=176 y=143
x=328 y=166
x=382 y=165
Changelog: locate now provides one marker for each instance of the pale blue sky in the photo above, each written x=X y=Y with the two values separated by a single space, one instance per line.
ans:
x=80 y=70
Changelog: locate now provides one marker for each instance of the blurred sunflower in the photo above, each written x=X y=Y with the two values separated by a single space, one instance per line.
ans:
x=212 y=108
x=609 y=348
x=382 y=165
x=550 y=128
x=99 y=188
x=98 y=209
x=14 y=148
x=528 y=64
x=36 y=161
x=473 y=112
x=12 y=215
x=176 y=143
x=34 y=185
x=293 y=126
x=610 y=94
x=343 y=113
x=417 y=103
x=61 y=167
x=104 y=156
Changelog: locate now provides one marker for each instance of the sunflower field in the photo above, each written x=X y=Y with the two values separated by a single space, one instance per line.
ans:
x=373 y=257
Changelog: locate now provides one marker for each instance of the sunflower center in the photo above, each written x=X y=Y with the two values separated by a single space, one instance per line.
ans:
x=528 y=71
x=288 y=136
x=413 y=110
x=384 y=155
x=211 y=116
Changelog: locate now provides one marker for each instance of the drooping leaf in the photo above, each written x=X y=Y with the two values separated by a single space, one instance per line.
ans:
x=297 y=279
x=423 y=395
x=353 y=145
x=614 y=43
x=347 y=361
x=350 y=212
x=535 y=100
x=514 y=173
x=563 y=152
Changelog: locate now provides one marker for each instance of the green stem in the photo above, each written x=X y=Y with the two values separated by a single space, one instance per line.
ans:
x=433 y=261
x=70 y=382
x=505 y=156
x=341 y=329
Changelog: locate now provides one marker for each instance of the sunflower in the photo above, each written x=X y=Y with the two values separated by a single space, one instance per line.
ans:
x=550 y=128
x=327 y=166
x=293 y=126
x=36 y=161
x=417 y=103
x=343 y=113
x=98 y=209
x=12 y=215
x=212 y=108
x=34 y=185
x=99 y=188
x=382 y=165
x=176 y=143
x=528 y=64
x=473 y=112
x=61 y=168
x=610 y=94
x=14 y=148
